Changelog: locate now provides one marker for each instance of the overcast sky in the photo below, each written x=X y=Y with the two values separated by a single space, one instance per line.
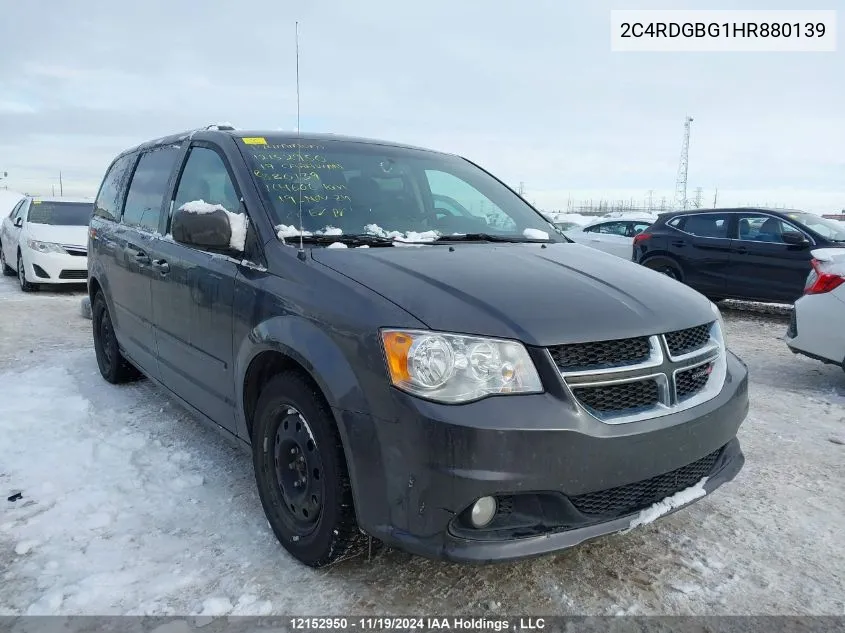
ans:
x=529 y=89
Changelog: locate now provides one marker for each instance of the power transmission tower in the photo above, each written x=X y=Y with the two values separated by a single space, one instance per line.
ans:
x=683 y=168
x=697 y=202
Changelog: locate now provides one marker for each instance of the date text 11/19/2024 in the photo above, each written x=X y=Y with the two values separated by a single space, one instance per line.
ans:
x=428 y=623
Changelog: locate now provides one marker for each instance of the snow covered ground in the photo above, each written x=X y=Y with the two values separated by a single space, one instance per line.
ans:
x=129 y=506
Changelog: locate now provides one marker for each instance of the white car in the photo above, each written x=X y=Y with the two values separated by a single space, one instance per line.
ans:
x=611 y=235
x=815 y=328
x=45 y=241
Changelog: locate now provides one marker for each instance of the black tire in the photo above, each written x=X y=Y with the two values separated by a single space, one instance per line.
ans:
x=113 y=365
x=665 y=267
x=314 y=520
x=24 y=284
x=8 y=271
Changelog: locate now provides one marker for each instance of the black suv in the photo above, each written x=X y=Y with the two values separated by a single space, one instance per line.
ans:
x=745 y=253
x=457 y=381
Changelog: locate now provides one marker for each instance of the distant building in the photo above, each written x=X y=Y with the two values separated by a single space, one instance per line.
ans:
x=835 y=216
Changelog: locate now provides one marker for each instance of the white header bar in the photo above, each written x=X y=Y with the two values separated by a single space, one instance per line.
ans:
x=722 y=31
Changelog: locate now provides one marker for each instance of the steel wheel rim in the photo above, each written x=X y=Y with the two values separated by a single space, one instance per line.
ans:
x=105 y=339
x=298 y=467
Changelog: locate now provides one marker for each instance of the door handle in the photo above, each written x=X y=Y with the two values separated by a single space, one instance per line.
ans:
x=162 y=266
x=678 y=243
x=142 y=258
x=742 y=250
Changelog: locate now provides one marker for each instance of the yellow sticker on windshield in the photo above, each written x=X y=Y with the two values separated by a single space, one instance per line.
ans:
x=254 y=140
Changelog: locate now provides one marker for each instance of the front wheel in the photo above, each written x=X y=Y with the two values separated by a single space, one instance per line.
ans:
x=25 y=285
x=301 y=473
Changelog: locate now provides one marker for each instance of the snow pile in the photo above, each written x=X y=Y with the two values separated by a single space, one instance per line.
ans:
x=680 y=498
x=237 y=221
x=407 y=236
x=577 y=218
x=337 y=245
x=535 y=234
x=288 y=230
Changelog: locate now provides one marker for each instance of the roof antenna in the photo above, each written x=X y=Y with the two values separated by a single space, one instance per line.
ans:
x=301 y=253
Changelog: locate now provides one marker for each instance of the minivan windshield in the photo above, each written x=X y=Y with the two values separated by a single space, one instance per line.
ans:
x=60 y=213
x=357 y=188
x=829 y=229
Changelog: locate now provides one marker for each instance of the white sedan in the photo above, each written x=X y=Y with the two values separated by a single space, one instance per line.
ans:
x=611 y=235
x=45 y=241
x=815 y=329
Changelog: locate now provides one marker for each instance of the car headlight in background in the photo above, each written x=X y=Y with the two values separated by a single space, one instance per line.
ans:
x=454 y=368
x=45 y=247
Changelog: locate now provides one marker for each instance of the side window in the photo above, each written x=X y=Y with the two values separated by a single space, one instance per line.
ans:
x=15 y=209
x=21 y=210
x=706 y=225
x=675 y=222
x=149 y=187
x=445 y=184
x=613 y=228
x=206 y=179
x=762 y=228
x=635 y=228
x=111 y=191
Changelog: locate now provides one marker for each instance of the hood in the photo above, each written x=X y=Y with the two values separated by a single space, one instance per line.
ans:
x=563 y=293
x=68 y=235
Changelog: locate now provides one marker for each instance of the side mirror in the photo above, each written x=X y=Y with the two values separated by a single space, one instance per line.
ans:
x=203 y=225
x=19 y=222
x=794 y=238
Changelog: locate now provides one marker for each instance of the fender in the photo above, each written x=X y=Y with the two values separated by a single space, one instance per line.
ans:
x=307 y=344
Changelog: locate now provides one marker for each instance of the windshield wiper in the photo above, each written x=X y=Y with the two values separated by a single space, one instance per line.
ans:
x=347 y=238
x=488 y=237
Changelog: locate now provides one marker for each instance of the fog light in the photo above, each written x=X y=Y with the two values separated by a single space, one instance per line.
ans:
x=483 y=511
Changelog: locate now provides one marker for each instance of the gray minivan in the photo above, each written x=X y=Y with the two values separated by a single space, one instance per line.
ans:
x=455 y=379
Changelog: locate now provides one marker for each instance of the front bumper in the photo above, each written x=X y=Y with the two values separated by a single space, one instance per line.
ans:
x=415 y=477
x=55 y=268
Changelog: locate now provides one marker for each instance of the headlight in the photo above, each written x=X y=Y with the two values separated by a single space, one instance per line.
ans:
x=721 y=321
x=454 y=368
x=45 y=247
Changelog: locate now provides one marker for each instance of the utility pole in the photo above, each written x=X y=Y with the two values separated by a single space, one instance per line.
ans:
x=715 y=197
x=521 y=189
x=61 y=189
x=698 y=192
x=54 y=190
x=650 y=199
x=683 y=168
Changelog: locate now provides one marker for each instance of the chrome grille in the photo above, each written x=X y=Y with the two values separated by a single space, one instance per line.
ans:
x=690 y=381
x=683 y=342
x=619 y=397
x=644 y=377
x=600 y=354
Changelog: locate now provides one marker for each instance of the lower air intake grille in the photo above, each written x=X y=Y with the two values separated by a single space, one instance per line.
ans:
x=619 y=397
x=74 y=274
x=634 y=497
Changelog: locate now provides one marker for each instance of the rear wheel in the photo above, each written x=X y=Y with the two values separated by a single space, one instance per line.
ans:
x=665 y=267
x=113 y=366
x=8 y=271
x=25 y=285
x=301 y=473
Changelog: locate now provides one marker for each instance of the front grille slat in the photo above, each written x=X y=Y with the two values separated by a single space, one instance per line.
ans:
x=74 y=274
x=637 y=496
x=685 y=341
x=601 y=354
x=621 y=397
